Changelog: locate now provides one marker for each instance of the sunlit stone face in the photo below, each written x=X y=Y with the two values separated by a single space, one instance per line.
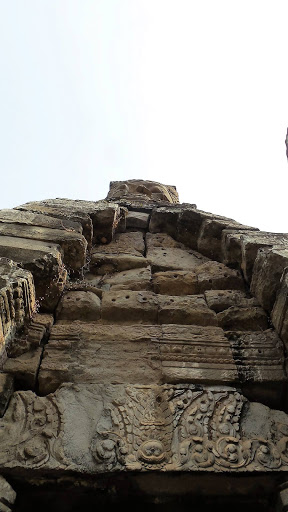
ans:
x=142 y=190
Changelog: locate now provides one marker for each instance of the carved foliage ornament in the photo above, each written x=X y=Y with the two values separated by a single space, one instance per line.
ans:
x=184 y=428
x=166 y=428
x=31 y=432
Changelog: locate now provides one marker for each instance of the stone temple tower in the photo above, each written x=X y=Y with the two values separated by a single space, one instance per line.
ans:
x=143 y=356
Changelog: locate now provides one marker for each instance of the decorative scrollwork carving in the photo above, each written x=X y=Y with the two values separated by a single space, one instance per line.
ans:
x=31 y=431
x=184 y=428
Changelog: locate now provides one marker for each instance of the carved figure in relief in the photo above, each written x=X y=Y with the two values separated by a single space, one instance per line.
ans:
x=30 y=431
x=183 y=428
x=142 y=430
x=142 y=190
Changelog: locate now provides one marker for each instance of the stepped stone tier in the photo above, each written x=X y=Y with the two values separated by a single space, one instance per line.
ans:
x=143 y=353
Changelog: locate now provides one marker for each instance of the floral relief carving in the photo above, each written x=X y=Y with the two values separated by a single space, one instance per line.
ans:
x=184 y=428
x=31 y=431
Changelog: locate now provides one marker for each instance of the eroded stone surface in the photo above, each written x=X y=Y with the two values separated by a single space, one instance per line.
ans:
x=142 y=190
x=72 y=243
x=164 y=253
x=124 y=253
x=137 y=220
x=177 y=282
x=79 y=305
x=218 y=300
x=135 y=279
x=187 y=428
x=243 y=319
x=191 y=309
x=44 y=261
x=100 y=216
x=267 y=272
x=129 y=306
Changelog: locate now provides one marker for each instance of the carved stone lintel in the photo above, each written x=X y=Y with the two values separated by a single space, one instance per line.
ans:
x=170 y=428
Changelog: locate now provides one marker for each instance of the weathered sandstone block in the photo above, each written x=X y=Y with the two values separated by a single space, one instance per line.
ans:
x=101 y=215
x=79 y=305
x=72 y=243
x=142 y=190
x=259 y=358
x=24 y=368
x=219 y=300
x=164 y=253
x=35 y=334
x=242 y=247
x=191 y=309
x=177 y=282
x=135 y=279
x=267 y=272
x=129 y=306
x=123 y=253
x=137 y=220
x=237 y=318
x=28 y=218
x=210 y=235
x=164 y=220
x=44 y=260
x=212 y=275
x=115 y=354
x=279 y=314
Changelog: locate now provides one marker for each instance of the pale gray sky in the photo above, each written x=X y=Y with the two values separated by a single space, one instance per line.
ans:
x=192 y=93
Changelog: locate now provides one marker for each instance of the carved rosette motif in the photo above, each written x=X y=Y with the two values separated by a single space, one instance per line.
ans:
x=31 y=433
x=184 y=428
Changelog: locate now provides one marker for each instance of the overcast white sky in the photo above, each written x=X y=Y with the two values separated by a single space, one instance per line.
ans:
x=192 y=93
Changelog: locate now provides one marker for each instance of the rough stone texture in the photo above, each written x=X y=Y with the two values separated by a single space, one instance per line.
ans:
x=73 y=244
x=177 y=282
x=164 y=253
x=129 y=306
x=137 y=220
x=128 y=366
x=24 y=368
x=243 y=319
x=216 y=276
x=267 y=272
x=135 y=279
x=219 y=300
x=35 y=334
x=199 y=230
x=79 y=305
x=123 y=253
x=69 y=349
x=242 y=247
x=140 y=190
x=191 y=309
x=102 y=216
x=36 y=219
x=44 y=261
x=279 y=314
